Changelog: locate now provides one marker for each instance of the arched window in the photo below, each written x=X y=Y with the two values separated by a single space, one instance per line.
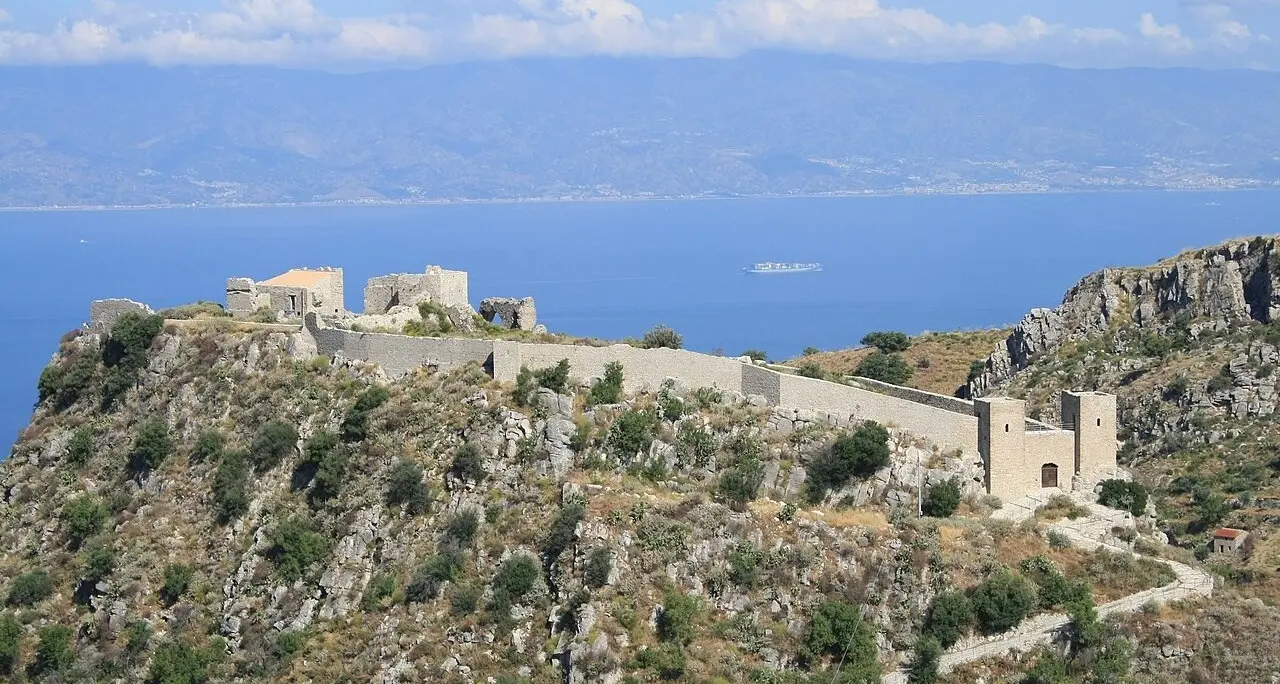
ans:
x=1049 y=475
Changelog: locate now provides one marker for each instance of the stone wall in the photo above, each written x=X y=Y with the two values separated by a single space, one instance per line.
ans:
x=1092 y=415
x=762 y=382
x=642 y=368
x=399 y=354
x=941 y=401
x=446 y=288
x=103 y=313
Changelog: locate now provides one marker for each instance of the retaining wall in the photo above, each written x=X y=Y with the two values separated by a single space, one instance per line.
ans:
x=400 y=354
x=941 y=401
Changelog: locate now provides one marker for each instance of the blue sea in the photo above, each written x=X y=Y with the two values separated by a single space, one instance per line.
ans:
x=616 y=269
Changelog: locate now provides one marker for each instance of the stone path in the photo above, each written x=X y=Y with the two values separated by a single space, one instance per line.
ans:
x=1086 y=533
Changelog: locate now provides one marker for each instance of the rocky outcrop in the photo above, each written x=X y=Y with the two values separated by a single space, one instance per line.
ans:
x=1212 y=289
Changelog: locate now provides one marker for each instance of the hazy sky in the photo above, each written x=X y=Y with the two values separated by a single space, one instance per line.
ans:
x=373 y=33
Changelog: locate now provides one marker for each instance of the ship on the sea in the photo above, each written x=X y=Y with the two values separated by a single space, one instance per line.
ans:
x=783 y=267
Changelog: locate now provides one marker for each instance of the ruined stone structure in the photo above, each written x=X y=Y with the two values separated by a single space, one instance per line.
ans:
x=294 y=293
x=104 y=313
x=517 y=314
x=444 y=287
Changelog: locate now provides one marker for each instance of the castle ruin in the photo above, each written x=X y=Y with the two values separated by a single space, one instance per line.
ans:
x=437 y=285
x=292 y=294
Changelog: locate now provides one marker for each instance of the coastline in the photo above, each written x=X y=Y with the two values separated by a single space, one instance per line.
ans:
x=435 y=202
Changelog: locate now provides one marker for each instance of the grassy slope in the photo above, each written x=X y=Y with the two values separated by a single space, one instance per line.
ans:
x=941 y=360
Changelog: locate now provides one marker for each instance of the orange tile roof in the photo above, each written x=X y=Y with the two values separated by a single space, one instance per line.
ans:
x=298 y=277
x=1227 y=533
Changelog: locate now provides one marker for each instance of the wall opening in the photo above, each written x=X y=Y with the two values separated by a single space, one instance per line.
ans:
x=1006 y=427
x=293 y=302
x=1049 y=475
x=1099 y=422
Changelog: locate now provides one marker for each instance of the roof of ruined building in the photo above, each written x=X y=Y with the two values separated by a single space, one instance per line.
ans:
x=1228 y=533
x=298 y=277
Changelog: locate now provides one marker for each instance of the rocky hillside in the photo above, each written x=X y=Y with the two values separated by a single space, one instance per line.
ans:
x=193 y=503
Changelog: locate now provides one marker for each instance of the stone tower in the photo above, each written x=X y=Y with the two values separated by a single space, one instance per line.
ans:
x=1092 y=415
x=1001 y=442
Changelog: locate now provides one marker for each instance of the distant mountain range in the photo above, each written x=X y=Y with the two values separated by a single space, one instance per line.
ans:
x=763 y=124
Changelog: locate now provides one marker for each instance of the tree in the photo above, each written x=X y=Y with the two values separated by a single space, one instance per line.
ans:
x=151 y=446
x=405 y=487
x=942 y=500
x=125 y=353
x=675 y=622
x=857 y=454
x=884 y=367
x=609 y=389
x=30 y=588
x=1002 y=601
x=274 y=441
x=838 y=632
x=10 y=643
x=887 y=341
x=924 y=666
x=1125 y=496
x=662 y=337
x=949 y=619
x=53 y=651
x=84 y=517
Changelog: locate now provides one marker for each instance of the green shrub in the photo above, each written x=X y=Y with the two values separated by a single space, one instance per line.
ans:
x=694 y=446
x=10 y=643
x=924 y=665
x=64 y=382
x=1222 y=381
x=53 y=650
x=839 y=632
x=137 y=637
x=151 y=446
x=465 y=600
x=744 y=565
x=555 y=378
x=30 y=588
x=176 y=663
x=1156 y=345
x=467 y=464
x=599 y=567
x=1053 y=588
x=630 y=434
x=381 y=588
x=295 y=546
x=265 y=314
x=561 y=534
x=884 y=367
x=125 y=353
x=666 y=660
x=274 y=441
x=425 y=584
x=355 y=427
x=1124 y=496
x=1002 y=601
x=810 y=351
x=977 y=369
x=406 y=489
x=810 y=369
x=1176 y=388
x=662 y=337
x=231 y=486
x=950 y=617
x=741 y=482
x=887 y=341
x=515 y=579
x=857 y=454
x=84 y=517
x=98 y=563
x=609 y=389
x=177 y=577
x=462 y=528
x=80 y=448
x=675 y=622
x=289 y=644
x=526 y=387
x=331 y=473
x=189 y=312
x=942 y=500
x=210 y=446
x=756 y=355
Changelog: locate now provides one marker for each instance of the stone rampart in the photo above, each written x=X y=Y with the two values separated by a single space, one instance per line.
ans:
x=941 y=401
x=103 y=313
x=400 y=354
x=642 y=368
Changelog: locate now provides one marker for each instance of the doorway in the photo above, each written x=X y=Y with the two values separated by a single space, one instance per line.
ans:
x=1049 y=476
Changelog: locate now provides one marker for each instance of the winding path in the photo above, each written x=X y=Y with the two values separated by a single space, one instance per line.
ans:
x=1190 y=583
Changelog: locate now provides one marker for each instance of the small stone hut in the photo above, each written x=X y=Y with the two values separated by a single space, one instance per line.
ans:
x=1228 y=540
x=293 y=293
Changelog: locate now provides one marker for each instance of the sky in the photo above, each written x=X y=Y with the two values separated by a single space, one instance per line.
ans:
x=373 y=34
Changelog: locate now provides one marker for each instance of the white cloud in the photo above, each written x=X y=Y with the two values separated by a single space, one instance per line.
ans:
x=297 y=33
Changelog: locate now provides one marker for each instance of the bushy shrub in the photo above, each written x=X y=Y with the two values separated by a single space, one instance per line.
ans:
x=30 y=588
x=137 y=637
x=810 y=369
x=209 y=447
x=756 y=355
x=355 y=427
x=694 y=446
x=53 y=650
x=1053 y=588
x=884 y=367
x=381 y=588
x=925 y=662
x=1125 y=496
x=99 y=561
x=599 y=567
x=1002 y=601
x=84 y=517
x=331 y=473
x=942 y=500
x=609 y=389
x=177 y=663
x=125 y=353
x=666 y=660
x=977 y=369
x=950 y=617
x=741 y=482
x=151 y=446
x=231 y=486
x=10 y=643
x=177 y=577
x=744 y=565
x=810 y=351
x=888 y=342
x=857 y=454
x=675 y=622
x=560 y=536
x=662 y=337
x=289 y=644
x=554 y=378
x=462 y=528
x=274 y=441
x=515 y=579
x=467 y=464
x=425 y=584
x=405 y=487
x=839 y=632
x=64 y=382
x=630 y=434
x=80 y=448
x=526 y=387
x=295 y=546
x=465 y=600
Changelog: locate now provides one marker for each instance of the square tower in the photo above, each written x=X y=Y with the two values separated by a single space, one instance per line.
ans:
x=1092 y=416
x=1002 y=434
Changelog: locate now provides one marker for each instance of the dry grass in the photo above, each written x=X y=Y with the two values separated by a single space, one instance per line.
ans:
x=947 y=355
x=849 y=517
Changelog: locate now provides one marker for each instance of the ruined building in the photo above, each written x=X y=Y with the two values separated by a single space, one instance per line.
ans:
x=443 y=287
x=292 y=294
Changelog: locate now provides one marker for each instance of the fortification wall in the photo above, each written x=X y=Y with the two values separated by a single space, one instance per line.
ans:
x=103 y=313
x=400 y=354
x=1049 y=446
x=399 y=289
x=947 y=429
x=940 y=401
x=762 y=382
x=642 y=368
x=448 y=288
